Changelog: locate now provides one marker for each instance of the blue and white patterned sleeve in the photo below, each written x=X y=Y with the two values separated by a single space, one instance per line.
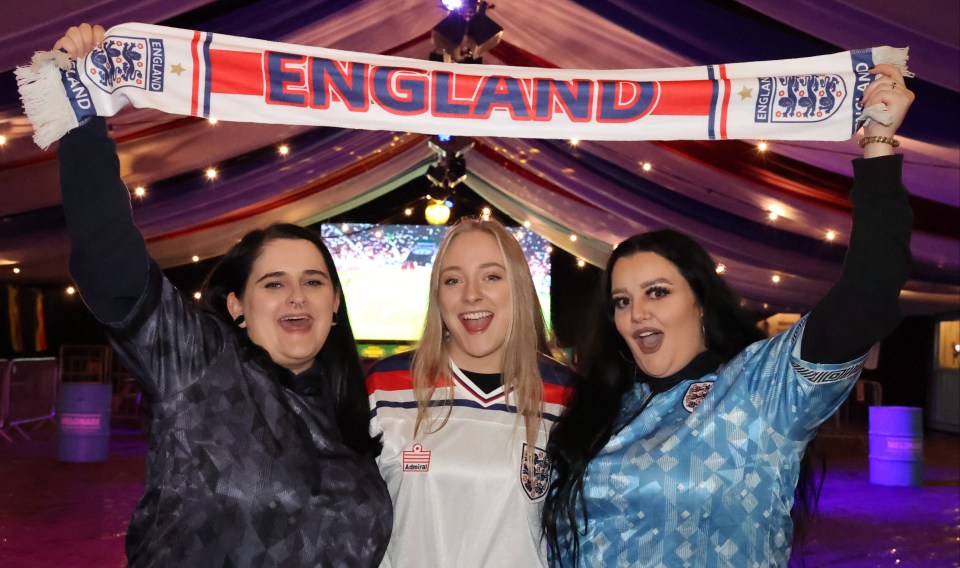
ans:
x=795 y=396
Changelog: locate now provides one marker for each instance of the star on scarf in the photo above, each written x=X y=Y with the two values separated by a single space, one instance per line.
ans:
x=177 y=69
x=745 y=93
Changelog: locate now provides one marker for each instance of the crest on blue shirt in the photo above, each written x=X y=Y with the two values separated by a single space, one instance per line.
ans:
x=128 y=62
x=535 y=472
x=695 y=395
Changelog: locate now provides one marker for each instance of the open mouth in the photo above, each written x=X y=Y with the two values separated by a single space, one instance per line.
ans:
x=476 y=322
x=648 y=340
x=296 y=323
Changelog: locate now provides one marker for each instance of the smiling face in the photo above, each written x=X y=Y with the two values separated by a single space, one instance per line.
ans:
x=656 y=313
x=475 y=301
x=288 y=302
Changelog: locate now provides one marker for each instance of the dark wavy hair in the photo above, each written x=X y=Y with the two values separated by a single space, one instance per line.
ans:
x=606 y=375
x=338 y=357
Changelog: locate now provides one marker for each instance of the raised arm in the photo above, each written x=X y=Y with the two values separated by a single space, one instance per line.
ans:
x=863 y=307
x=108 y=257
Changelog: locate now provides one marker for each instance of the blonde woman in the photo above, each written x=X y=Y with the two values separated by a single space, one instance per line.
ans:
x=465 y=417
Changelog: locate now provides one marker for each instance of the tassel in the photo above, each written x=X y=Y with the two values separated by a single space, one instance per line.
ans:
x=44 y=97
x=894 y=56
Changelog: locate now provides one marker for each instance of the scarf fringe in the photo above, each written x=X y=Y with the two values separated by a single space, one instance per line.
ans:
x=894 y=56
x=44 y=97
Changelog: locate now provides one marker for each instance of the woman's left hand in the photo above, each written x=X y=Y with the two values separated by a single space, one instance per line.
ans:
x=888 y=88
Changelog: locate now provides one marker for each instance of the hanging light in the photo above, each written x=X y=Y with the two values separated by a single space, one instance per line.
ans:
x=283 y=149
x=647 y=166
x=3 y=139
x=775 y=278
x=831 y=235
x=581 y=263
x=762 y=146
x=211 y=173
x=71 y=290
x=437 y=213
x=195 y=258
x=721 y=268
x=140 y=191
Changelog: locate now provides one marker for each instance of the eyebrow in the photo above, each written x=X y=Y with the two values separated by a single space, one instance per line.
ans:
x=279 y=273
x=482 y=266
x=646 y=284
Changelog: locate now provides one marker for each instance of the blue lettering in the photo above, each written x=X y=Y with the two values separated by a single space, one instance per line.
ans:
x=501 y=92
x=613 y=110
x=350 y=90
x=278 y=78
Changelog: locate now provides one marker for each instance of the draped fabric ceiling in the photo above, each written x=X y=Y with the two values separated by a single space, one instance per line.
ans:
x=720 y=192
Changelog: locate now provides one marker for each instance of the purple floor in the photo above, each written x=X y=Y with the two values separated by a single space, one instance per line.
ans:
x=61 y=514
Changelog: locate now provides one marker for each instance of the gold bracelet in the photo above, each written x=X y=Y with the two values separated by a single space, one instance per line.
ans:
x=879 y=139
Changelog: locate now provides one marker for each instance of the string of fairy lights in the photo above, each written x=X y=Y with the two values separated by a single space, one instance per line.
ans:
x=438 y=209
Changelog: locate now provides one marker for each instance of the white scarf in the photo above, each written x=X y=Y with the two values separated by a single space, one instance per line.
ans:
x=249 y=80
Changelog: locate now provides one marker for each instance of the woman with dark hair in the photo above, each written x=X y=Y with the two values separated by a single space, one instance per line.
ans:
x=682 y=445
x=260 y=452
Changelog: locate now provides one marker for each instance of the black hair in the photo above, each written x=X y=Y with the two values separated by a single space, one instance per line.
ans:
x=340 y=362
x=607 y=372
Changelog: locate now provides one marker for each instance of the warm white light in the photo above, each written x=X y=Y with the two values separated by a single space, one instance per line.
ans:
x=775 y=278
x=647 y=166
x=831 y=235
x=196 y=295
x=721 y=268
x=775 y=213
x=451 y=4
x=284 y=150
x=3 y=139
x=212 y=120
x=526 y=224
x=518 y=235
x=195 y=258
x=762 y=146
x=437 y=213
x=16 y=270
x=139 y=191
x=549 y=249
x=574 y=141
x=408 y=211
x=766 y=305
x=573 y=238
x=486 y=211
x=211 y=173
x=581 y=263
x=344 y=228
x=71 y=290
x=378 y=233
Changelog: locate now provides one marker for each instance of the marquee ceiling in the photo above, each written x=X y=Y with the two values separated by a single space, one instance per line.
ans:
x=720 y=192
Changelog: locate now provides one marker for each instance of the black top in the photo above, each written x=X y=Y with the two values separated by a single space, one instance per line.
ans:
x=247 y=466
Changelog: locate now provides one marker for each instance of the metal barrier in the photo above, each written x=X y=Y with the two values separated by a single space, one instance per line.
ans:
x=85 y=363
x=28 y=394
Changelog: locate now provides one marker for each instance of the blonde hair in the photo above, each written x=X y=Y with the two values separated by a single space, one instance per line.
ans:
x=526 y=337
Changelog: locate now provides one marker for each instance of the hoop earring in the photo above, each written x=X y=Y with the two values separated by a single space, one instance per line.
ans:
x=336 y=318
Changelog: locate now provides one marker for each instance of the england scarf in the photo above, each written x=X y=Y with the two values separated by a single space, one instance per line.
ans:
x=238 y=79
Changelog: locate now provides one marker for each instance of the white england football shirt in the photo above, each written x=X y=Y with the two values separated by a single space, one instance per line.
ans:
x=462 y=494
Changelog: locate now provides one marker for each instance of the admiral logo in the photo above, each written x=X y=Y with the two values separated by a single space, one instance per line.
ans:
x=128 y=62
x=799 y=99
x=535 y=473
x=820 y=377
x=695 y=395
x=416 y=459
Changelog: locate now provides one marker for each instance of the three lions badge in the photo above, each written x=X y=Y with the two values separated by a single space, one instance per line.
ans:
x=535 y=473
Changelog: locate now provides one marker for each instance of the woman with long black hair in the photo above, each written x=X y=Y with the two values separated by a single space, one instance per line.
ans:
x=682 y=445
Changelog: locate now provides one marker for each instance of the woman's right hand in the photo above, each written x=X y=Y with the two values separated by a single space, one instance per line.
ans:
x=80 y=40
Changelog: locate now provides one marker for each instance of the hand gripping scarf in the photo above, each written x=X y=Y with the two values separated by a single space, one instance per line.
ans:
x=248 y=80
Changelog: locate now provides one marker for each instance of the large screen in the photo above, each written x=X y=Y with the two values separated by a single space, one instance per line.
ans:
x=385 y=273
